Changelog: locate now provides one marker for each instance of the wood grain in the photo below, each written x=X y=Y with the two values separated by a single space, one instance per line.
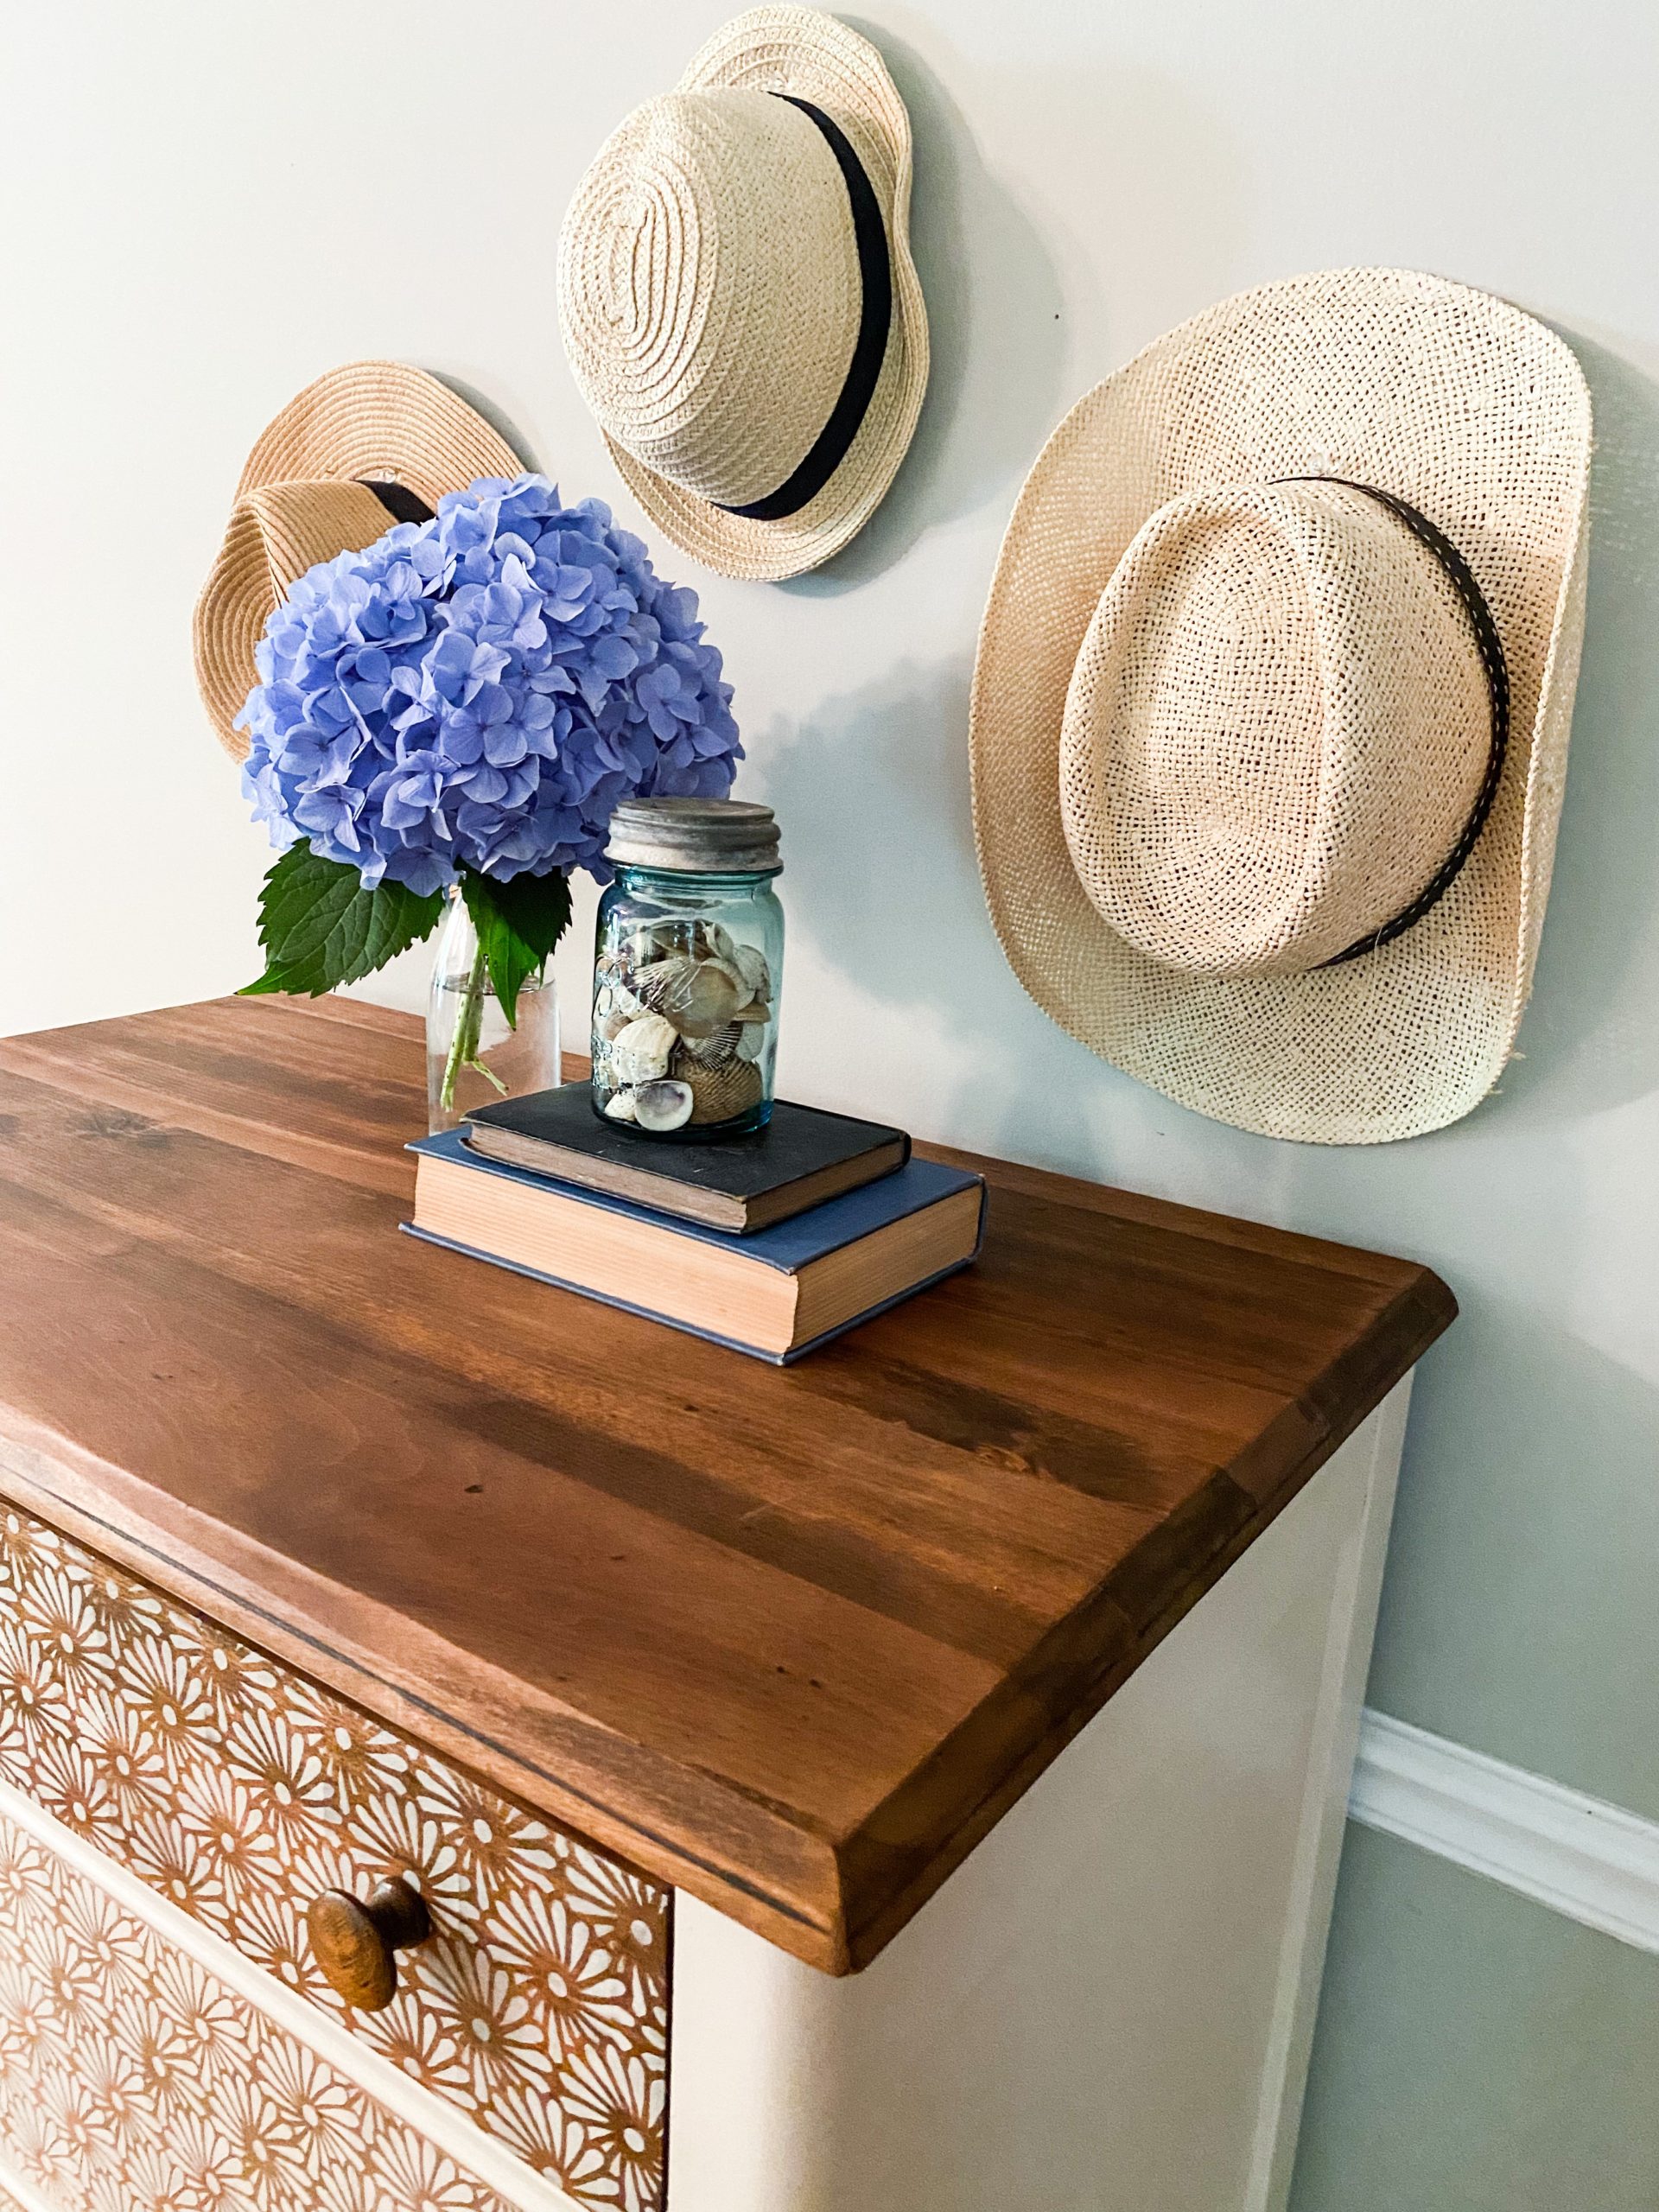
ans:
x=791 y=1639
x=356 y=1944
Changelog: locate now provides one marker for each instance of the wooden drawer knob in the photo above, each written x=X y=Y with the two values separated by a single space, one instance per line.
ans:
x=356 y=1944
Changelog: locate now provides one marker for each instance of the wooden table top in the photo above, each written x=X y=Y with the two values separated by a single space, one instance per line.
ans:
x=791 y=1639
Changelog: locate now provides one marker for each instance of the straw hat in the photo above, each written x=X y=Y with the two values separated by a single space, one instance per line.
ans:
x=738 y=299
x=306 y=495
x=1270 y=714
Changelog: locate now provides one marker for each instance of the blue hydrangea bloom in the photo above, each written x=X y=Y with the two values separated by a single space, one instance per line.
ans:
x=478 y=691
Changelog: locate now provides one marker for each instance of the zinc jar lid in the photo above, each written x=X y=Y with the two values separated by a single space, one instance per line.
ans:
x=695 y=836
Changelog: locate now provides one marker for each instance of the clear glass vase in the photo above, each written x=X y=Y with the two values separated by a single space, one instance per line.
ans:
x=473 y=1057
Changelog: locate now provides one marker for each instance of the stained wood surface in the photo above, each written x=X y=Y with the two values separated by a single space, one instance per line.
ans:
x=791 y=1639
x=356 y=1943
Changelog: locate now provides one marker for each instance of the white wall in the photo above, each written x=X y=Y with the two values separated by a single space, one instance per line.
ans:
x=208 y=202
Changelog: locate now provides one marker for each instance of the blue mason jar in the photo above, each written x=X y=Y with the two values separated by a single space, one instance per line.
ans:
x=688 y=969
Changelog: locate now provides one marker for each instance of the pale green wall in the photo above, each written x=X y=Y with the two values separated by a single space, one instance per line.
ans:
x=217 y=202
x=1519 y=1612
x=1476 y=2054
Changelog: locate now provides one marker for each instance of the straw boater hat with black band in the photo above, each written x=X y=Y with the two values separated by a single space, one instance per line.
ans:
x=1270 y=714
x=738 y=299
x=365 y=447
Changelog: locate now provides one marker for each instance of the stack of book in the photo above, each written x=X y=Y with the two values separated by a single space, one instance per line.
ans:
x=771 y=1243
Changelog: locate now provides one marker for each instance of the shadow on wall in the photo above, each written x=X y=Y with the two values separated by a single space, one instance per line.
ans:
x=993 y=382
x=1001 y=317
x=486 y=403
x=1591 y=1040
x=897 y=906
x=907 y=920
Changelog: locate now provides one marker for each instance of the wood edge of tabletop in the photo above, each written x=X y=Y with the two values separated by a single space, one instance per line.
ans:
x=105 y=1511
x=844 y=1901
x=841 y=1905
x=1420 y=1313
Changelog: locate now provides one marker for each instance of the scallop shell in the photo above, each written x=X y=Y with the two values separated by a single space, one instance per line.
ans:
x=613 y=1009
x=640 y=947
x=640 y=1052
x=610 y=979
x=751 y=966
x=719 y=1093
x=698 y=996
x=662 y=1106
x=720 y=1045
x=672 y=937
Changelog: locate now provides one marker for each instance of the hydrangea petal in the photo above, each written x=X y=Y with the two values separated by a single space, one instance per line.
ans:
x=479 y=691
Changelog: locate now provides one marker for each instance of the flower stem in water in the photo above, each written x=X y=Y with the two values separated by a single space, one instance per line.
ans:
x=463 y=1045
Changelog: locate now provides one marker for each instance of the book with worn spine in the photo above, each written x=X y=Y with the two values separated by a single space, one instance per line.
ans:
x=803 y=1157
x=775 y=1294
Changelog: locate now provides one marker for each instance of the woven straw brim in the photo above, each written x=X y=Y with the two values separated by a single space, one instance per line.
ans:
x=1480 y=418
x=380 y=421
x=368 y=422
x=798 y=51
x=271 y=541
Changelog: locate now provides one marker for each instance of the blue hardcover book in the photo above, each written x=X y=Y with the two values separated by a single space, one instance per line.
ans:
x=776 y=1294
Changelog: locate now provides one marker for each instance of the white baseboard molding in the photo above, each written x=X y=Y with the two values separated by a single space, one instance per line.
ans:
x=1594 y=1862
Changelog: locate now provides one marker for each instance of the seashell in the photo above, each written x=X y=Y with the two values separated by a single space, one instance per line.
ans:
x=721 y=1092
x=619 y=1106
x=752 y=970
x=639 y=1051
x=618 y=963
x=757 y=1011
x=751 y=1040
x=691 y=939
x=698 y=996
x=662 y=1106
x=611 y=980
x=720 y=1045
x=674 y=937
x=611 y=1014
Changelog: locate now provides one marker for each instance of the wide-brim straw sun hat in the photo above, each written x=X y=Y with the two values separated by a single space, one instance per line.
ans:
x=1271 y=708
x=308 y=493
x=738 y=299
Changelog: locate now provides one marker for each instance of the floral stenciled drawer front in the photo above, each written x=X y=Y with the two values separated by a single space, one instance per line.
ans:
x=131 y=2081
x=238 y=1791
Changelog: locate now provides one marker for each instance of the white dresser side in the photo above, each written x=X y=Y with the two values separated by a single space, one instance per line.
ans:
x=1109 y=2007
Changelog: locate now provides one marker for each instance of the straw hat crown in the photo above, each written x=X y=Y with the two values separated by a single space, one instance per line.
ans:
x=738 y=298
x=1271 y=708
x=709 y=290
x=1276 y=727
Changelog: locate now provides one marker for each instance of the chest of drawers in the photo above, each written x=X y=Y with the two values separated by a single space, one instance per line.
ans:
x=234 y=1792
x=910 y=1783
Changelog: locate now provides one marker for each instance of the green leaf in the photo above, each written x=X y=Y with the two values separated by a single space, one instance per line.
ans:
x=319 y=927
x=518 y=924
